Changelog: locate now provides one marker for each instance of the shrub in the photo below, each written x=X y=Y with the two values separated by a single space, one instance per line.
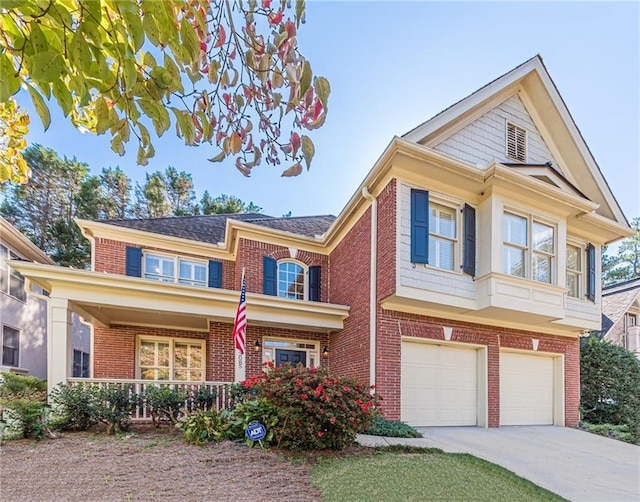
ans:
x=74 y=407
x=380 y=426
x=619 y=432
x=315 y=409
x=204 y=426
x=26 y=398
x=201 y=398
x=114 y=406
x=164 y=403
x=254 y=410
x=610 y=385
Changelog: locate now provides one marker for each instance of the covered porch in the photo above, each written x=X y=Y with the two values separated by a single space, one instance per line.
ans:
x=146 y=331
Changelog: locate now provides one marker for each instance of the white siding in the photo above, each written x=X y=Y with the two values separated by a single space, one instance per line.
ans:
x=483 y=141
x=582 y=309
x=424 y=277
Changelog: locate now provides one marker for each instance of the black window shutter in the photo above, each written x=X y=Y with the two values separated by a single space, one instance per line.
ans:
x=270 y=268
x=469 y=261
x=215 y=274
x=314 y=283
x=591 y=269
x=419 y=226
x=133 y=264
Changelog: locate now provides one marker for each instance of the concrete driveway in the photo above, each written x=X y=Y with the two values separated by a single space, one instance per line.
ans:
x=574 y=464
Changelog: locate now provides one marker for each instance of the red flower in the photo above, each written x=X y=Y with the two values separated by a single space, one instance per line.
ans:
x=304 y=396
x=320 y=434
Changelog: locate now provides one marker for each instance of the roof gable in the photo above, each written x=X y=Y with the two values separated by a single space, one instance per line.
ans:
x=531 y=84
x=617 y=300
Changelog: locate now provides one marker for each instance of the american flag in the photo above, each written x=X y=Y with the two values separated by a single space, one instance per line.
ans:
x=240 y=325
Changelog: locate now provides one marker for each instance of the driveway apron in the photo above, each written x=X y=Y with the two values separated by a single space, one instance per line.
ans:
x=574 y=464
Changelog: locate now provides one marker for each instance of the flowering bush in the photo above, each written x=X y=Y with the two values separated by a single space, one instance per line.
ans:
x=316 y=410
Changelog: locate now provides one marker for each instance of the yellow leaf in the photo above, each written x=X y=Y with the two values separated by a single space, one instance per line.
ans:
x=294 y=170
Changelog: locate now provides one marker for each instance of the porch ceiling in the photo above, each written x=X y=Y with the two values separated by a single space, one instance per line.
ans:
x=114 y=299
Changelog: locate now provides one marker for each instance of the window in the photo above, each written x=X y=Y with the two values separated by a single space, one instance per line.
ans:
x=171 y=359
x=11 y=281
x=436 y=234
x=516 y=142
x=10 y=346
x=159 y=268
x=291 y=280
x=442 y=236
x=574 y=271
x=629 y=322
x=519 y=258
x=192 y=272
x=272 y=346
x=163 y=268
x=80 y=364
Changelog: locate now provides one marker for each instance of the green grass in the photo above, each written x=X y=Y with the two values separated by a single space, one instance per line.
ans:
x=388 y=476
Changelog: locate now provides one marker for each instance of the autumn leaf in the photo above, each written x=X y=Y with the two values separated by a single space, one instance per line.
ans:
x=294 y=170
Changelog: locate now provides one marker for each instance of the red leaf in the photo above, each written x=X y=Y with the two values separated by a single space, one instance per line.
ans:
x=266 y=4
x=275 y=18
x=203 y=47
x=222 y=36
x=291 y=29
x=318 y=110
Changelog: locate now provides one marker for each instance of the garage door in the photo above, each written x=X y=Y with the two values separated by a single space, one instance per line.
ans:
x=439 y=384
x=526 y=389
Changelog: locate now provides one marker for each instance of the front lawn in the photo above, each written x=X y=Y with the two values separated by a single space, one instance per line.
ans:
x=391 y=476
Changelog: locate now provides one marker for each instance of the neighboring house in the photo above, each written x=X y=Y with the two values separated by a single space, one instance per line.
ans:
x=23 y=312
x=457 y=279
x=621 y=314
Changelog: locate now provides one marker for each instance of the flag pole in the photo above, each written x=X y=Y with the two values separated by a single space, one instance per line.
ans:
x=239 y=334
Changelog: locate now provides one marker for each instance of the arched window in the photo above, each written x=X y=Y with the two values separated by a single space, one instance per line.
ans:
x=291 y=280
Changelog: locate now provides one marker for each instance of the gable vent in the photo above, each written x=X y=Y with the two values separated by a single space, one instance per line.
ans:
x=516 y=142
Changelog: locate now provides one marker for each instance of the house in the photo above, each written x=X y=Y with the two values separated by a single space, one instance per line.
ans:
x=23 y=312
x=456 y=280
x=620 y=314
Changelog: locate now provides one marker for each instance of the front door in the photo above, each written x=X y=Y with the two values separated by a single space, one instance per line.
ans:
x=293 y=357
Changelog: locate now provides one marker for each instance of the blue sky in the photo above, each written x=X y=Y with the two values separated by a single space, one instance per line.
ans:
x=393 y=65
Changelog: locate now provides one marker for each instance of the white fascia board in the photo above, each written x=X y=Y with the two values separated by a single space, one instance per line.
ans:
x=21 y=244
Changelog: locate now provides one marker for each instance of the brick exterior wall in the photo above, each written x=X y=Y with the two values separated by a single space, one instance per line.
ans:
x=110 y=256
x=250 y=256
x=392 y=326
x=350 y=280
x=115 y=348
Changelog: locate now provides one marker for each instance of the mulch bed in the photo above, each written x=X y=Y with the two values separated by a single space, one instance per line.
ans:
x=153 y=464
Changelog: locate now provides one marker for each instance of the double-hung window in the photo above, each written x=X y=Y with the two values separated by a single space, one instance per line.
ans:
x=528 y=248
x=170 y=359
x=80 y=364
x=442 y=236
x=171 y=269
x=439 y=237
x=10 y=346
x=574 y=271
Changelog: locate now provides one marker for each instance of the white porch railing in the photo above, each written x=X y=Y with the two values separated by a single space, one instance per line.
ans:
x=221 y=401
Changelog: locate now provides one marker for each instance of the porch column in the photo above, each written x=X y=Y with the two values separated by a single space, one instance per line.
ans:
x=59 y=343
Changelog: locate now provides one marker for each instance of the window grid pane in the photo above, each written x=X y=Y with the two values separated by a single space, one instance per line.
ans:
x=159 y=268
x=543 y=239
x=171 y=360
x=574 y=269
x=442 y=235
x=4 y=280
x=291 y=281
x=513 y=261
x=193 y=273
x=515 y=229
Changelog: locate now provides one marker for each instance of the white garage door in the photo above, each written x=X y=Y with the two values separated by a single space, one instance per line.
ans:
x=526 y=389
x=439 y=384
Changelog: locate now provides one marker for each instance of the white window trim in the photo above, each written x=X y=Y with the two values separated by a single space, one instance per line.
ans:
x=456 y=206
x=176 y=267
x=305 y=269
x=529 y=252
x=581 y=273
x=7 y=271
x=506 y=141
x=171 y=340
x=269 y=353
x=85 y=356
